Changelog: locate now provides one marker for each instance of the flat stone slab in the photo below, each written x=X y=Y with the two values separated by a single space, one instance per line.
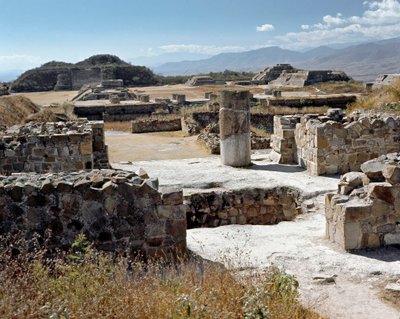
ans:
x=208 y=173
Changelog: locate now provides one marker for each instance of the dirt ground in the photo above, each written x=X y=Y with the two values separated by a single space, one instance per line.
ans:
x=124 y=146
x=50 y=97
x=192 y=92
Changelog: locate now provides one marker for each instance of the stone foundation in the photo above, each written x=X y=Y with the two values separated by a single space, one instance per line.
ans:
x=255 y=206
x=53 y=147
x=118 y=211
x=365 y=213
x=156 y=125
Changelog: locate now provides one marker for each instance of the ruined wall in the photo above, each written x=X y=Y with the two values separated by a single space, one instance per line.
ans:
x=80 y=77
x=250 y=206
x=118 y=112
x=193 y=123
x=336 y=148
x=283 y=141
x=365 y=213
x=53 y=147
x=155 y=125
x=323 y=101
x=325 y=146
x=118 y=211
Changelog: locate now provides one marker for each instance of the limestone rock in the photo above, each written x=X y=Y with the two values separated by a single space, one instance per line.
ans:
x=392 y=173
x=373 y=169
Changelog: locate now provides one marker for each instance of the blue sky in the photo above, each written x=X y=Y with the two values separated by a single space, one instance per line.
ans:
x=35 y=31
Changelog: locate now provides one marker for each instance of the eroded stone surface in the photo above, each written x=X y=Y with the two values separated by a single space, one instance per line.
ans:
x=53 y=147
x=118 y=211
x=366 y=214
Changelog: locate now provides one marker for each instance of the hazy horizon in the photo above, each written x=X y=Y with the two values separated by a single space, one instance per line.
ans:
x=34 y=32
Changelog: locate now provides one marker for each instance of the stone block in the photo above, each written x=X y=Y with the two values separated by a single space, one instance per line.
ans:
x=392 y=239
x=391 y=173
x=172 y=197
x=86 y=148
x=352 y=236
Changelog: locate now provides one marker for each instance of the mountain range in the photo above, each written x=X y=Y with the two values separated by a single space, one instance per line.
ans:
x=362 y=61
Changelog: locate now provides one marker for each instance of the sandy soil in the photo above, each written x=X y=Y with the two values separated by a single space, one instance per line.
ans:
x=152 y=146
x=47 y=98
x=192 y=92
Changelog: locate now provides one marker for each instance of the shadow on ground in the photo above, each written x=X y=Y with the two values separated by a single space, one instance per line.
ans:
x=388 y=254
x=277 y=168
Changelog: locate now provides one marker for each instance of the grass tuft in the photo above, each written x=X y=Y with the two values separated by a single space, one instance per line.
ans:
x=85 y=283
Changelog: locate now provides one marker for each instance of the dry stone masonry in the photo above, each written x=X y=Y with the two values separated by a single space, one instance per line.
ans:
x=144 y=125
x=249 y=206
x=118 y=211
x=53 y=147
x=329 y=145
x=234 y=123
x=365 y=213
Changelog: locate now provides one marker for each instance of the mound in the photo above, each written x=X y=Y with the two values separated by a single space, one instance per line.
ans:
x=16 y=109
x=57 y=75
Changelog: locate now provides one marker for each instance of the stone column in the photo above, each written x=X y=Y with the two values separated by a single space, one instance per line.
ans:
x=234 y=123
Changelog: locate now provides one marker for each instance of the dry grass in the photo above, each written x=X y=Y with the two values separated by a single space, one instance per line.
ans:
x=87 y=284
x=341 y=87
x=386 y=99
x=15 y=109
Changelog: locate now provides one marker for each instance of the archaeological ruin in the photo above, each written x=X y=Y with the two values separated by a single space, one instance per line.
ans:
x=53 y=147
x=333 y=145
x=234 y=128
x=67 y=76
x=284 y=75
x=365 y=212
x=384 y=80
x=120 y=212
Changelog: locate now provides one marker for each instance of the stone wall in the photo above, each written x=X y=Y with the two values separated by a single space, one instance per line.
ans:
x=193 y=123
x=365 y=213
x=336 y=148
x=283 y=141
x=323 y=101
x=118 y=211
x=53 y=147
x=327 y=146
x=249 y=206
x=118 y=112
x=155 y=125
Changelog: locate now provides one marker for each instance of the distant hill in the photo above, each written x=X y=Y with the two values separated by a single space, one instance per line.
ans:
x=362 y=61
x=57 y=75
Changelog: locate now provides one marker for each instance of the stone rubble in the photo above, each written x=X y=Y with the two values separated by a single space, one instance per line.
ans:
x=365 y=212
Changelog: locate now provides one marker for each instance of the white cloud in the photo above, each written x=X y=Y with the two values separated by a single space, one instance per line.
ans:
x=330 y=20
x=380 y=20
x=204 y=49
x=265 y=28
